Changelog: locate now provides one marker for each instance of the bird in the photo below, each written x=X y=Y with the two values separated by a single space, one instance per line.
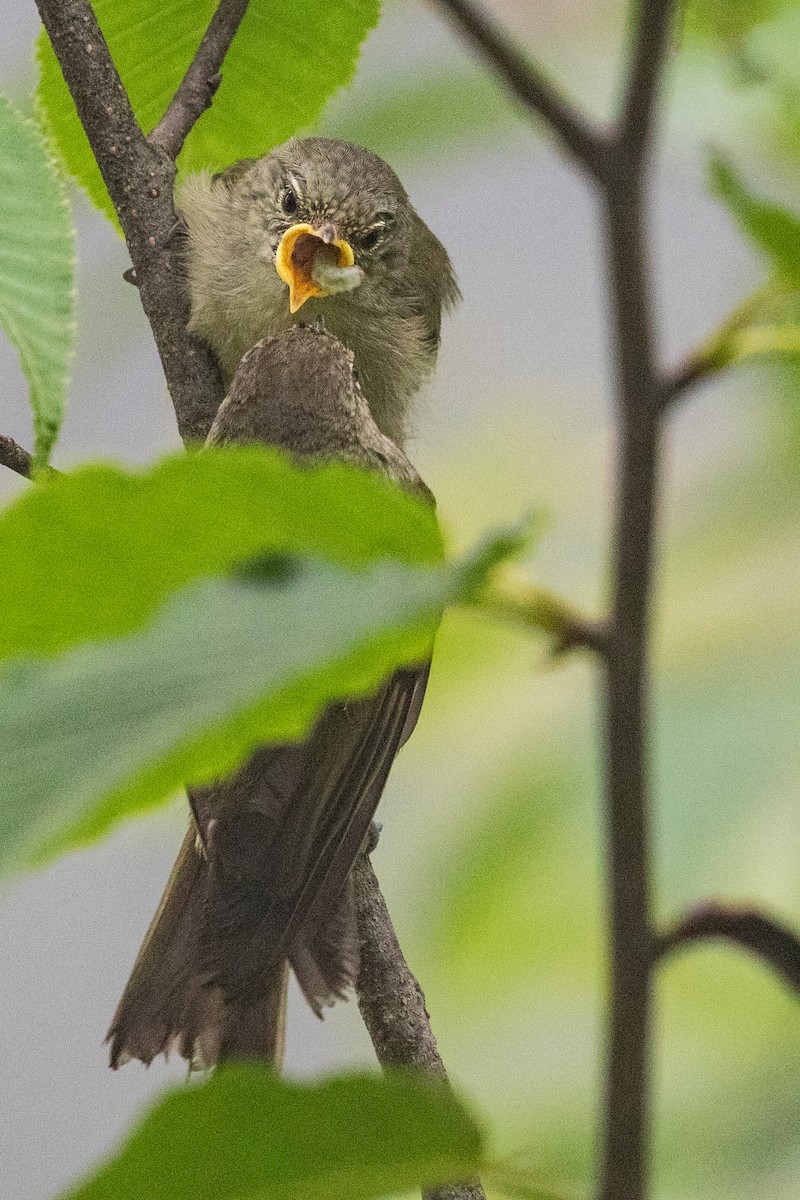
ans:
x=319 y=228
x=262 y=880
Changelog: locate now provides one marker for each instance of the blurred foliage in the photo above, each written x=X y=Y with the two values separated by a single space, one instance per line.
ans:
x=773 y=229
x=441 y=109
x=37 y=259
x=360 y=1137
x=285 y=61
x=725 y=23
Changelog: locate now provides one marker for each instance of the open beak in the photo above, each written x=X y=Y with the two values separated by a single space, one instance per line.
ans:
x=313 y=262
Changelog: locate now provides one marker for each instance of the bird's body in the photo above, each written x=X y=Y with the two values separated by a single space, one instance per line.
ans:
x=262 y=879
x=391 y=321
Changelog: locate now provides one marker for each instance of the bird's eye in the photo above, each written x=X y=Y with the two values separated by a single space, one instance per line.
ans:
x=289 y=201
x=370 y=240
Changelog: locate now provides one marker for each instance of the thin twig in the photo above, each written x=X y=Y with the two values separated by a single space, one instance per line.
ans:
x=688 y=373
x=14 y=457
x=392 y=1003
x=199 y=84
x=527 y=82
x=140 y=179
x=778 y=946
x=624 y=1170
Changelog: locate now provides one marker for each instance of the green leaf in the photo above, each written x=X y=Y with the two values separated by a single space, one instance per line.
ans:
x=773 y=229
x=727 y=22
x=520 y=1183
x=285 y=62
x=247 y=1135
x=37 y=258
x=111 y=729
x=93 y=554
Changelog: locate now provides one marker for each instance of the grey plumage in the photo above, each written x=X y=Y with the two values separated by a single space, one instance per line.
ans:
x=391 y=322
x=262 y=878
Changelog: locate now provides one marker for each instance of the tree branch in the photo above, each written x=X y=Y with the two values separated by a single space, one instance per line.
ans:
x=14 y=457
x=392 y=1003
x=140 y=178
x=198 y=86
x=778 y=946
x=624 y=1169
x=527 y=82
x=651 y=33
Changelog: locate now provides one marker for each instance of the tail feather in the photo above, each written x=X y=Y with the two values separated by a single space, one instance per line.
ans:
x=170 y=1003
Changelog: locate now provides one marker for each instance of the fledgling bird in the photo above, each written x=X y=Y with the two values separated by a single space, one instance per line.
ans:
x=262 y=880
x=319 y=227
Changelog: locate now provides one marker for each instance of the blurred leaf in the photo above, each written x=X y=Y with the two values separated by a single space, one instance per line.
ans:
x=37 y=258
x=247 y=1135
x=437 y=110
x=506 y=903
x=112 y=728
x=775 y=230
x=766 y=323
x=93 y=554
x=727 y=22
x=513 y=1181
x=285 y=61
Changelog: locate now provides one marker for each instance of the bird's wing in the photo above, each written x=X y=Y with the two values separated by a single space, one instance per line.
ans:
x=283 y=834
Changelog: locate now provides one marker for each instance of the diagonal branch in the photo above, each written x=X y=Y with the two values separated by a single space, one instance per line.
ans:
x=199 y=84
x=391 y=1001
x=778 y=946
x=527 y=82
x=14 y=457
x=140 y=179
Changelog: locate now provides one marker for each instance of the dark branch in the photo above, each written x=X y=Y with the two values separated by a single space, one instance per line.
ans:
x=583 y=633
x=693 y=370
x=140 y=179
x=526 y=82
x=652 y=24
x=199 y=84
x=391 y=1001
x=774 y=943
x=14 y=457
x=626 y=1138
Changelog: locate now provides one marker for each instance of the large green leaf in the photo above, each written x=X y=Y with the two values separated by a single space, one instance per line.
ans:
x=93 y=554
x=247 y=1135
x=774 y=230
x=37 y=258
x=112 y=728
x=285 y=61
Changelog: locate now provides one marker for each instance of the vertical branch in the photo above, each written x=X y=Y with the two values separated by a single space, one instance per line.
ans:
x=392 y=1004
x=627 y=705
x=627 y=659
x=618 y=164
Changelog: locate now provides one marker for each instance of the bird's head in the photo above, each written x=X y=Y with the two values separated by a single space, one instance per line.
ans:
x=331 y=216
